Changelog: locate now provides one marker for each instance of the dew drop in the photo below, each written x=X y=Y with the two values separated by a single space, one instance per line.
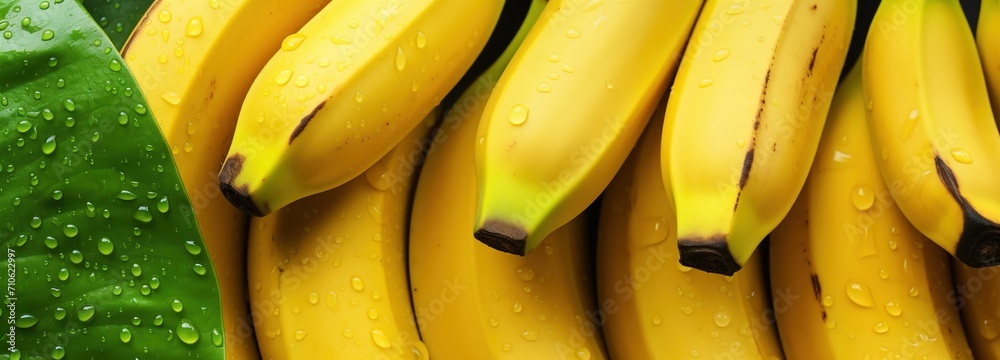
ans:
x=359 y=97
x=543 y=88
x=517 y=308
x=48 y=35
x=573 y=33
x=49 y=145
x=706 y=82
x=283 y=77
x=860 y=294
x=105 y=246
x=194 y=27
x=722 y=319
x=125 y=335
x=961 y=155
x=357 y=283
x=529 y=335
x=164 y=16
x=86 y=313
x=142 y=214
x=176 y=305
x=400 y=59
x=293 y=42
x=862 y=197
x=187 y=332
x=881 y=327
x=380 y=339
x=421 y=40
x=720 y=55
x=494 y=322
x=518 y=114
x=988 y=329
x=908 y=125
x=25 y=321
x=69 y=105
x=70 y=230
x=893 y=308
x=115 y=65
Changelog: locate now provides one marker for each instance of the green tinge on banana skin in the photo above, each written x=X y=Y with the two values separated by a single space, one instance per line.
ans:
x=103 y=255
x=117 y=17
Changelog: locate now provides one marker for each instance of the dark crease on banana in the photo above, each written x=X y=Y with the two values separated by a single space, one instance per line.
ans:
x=979 y=244
x=817 y=289
x=305 y=121
x=748 y=158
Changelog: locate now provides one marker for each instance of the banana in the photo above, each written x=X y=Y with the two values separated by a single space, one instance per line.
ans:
x=182 y=55
x=745 y=117
x=344 y=90
x=329 y=271
x=600 y=65
x=979 y=289
x=988 y=44
x=860 y=281
x=472 y=301
x=934 y=130
x=655 y=307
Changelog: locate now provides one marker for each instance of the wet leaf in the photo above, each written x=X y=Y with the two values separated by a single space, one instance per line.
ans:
x=117 y=17
x=103 y=250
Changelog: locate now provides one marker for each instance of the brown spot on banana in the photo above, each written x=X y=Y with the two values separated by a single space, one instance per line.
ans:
x=748 y=158
x=239 y=196
x=503 y=236
x=817 y=289
x=709 y=254
x=979 y=243
x=305 y=121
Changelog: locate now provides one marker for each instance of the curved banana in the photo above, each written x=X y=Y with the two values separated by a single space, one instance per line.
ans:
x=564 y=118
x=328 y=272
x=472 y=301
x=344 y=90
x=661 y=309
x=988 y=44
x=745 y=117
x=934 y=130
x=860 y=281
x=182 y=55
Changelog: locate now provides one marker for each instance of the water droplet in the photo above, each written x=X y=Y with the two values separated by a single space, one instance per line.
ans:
x=400 y=59
x=544 y=88
x=192 y=248
x=70 y=230
x=827 y=301
x=529 y=335
x=720 y=55
x=171 y=97
x=609 y=85
x=573 y=33
x=908 y=125
x=283 y=77
x=494 y=322
x=553 y=58
x=914 y=292
x=657 y=320
x=892 y=244
x=136 y=270
x=380 y=339
x=43 y=5
x=860 y=294
x=883 y=274
x=125 y=335
x=51 y=242
x=735 y=9
x=115 y=65
x=862 y=197
x=706 y=82
x=58 y=352
x=199 y=269
x=176 y=305
x=583 y=354
x=568 y=69
x=961 y=155
x=507 y=347
x=164 y=16
x=59 y=313
x=517 y=308
x=525 y=274
x=25 y=22
x=194 y=27
x=48 y=35
x=49 y=145
x=216 y=338
x=69 y=105
x=881 y=327
x=518 y=114
x=988 y=329
x=357 y=283
x=722 y=319
x=86 y=313
x=893 y=308
x=187 y=332
x=25 y=321
x=163 y=205
x=421 y=40
x=359 y=97
x=158 y=320
x=140 y=109
x=142 y=214
x=870 y=105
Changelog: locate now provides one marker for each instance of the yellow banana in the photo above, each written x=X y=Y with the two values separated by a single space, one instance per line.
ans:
x=934 y=131
x=329 y=271
x=655 y=307
x=862 y=282
x=472 y=301
x=344 y=90
x=565 y=116
x=746 y=113
x=988 y=44
x=192 y=61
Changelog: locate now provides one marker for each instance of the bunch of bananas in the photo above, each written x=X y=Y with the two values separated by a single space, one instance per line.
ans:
x=587 y=179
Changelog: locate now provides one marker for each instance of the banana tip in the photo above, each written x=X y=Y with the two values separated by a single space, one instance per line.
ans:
x=502 y=236
x=240 y=199
x=984 y=251
x=708 y=254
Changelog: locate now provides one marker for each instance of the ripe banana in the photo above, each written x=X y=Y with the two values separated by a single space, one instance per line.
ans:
x=344 y=90
x=472 y=301
x=988 y=44
x=182 y=55
x=934 y=130
x=601 y=66
x=863 y=282
x=655 y=307
x=329 y=271
x=744 y=120
x=979 y=289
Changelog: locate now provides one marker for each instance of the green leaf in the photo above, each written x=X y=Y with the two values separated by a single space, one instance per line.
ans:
x=117 y=17
x=104 y=256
